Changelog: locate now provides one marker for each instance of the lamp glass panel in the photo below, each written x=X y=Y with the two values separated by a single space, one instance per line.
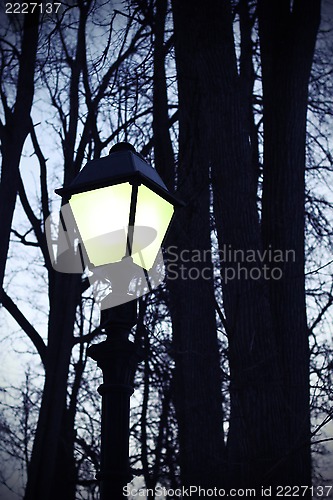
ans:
x=101 y=216
x=152 y=219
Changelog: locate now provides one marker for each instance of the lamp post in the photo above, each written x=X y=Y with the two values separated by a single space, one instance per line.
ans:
x=121 y=212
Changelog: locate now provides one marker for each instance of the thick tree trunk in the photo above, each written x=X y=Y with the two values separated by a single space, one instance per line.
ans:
x=197 y=395
x=287 y=44
x=254 y=445
x=43 y=483
x=259 y=451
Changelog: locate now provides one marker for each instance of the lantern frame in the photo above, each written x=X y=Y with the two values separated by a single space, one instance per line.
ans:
x=123 y=165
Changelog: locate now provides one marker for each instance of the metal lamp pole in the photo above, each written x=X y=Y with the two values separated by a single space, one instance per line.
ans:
x=121 y=182
x=118 y=358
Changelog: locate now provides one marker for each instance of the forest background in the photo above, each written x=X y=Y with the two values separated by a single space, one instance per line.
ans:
x=231 y=101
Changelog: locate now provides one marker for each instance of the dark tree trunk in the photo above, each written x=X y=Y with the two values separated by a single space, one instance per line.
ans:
x=14 y=132
x=43 y=480
x=53 y=450
x=163 y=151
x=260 y=450
x=198 y=397
x=287 y=39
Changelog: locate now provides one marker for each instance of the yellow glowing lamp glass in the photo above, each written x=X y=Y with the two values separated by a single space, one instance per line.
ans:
x=121 y=208
x=152 y=218
x=102 y=217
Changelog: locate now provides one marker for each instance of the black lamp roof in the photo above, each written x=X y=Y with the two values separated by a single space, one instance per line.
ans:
x=123 y=164
x=118 y=167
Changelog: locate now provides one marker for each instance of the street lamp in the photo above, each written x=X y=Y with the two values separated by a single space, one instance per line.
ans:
x=121 y=211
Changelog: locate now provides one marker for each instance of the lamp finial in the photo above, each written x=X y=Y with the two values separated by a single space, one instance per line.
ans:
x=122 y=146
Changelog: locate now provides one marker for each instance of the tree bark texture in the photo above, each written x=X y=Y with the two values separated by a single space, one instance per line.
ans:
x=46 y=478
x=52 y=472
x=262 y=449
x=14 y=132
x=198 y=398
x=287 y=39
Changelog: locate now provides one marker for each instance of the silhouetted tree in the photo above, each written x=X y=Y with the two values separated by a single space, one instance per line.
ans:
x=216 y=95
